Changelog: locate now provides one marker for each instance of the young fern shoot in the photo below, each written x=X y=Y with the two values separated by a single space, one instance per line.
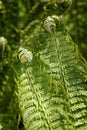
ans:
x=24 y=55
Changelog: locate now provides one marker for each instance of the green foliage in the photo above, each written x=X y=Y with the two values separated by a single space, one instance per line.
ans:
x=76 y=24
x=43 y=85
x=59 y=60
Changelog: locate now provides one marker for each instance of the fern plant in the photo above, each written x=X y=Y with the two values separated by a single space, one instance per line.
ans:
x=50 y=74
x=51 y=79
x=68 y=66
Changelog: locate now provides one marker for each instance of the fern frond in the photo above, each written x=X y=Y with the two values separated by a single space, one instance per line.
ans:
x=53 y=82
x=68 y=68
x=40 y=108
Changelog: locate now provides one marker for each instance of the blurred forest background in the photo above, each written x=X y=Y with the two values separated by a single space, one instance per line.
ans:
x=14 y=15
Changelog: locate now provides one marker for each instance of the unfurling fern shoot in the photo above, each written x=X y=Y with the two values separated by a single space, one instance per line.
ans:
x=24 y=55
x=49 y=24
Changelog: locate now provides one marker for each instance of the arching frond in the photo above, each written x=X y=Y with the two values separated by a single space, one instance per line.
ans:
x=40 y=107
x=69 y=69
x=52 y=86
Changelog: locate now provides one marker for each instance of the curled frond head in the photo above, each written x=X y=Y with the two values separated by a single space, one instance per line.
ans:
x=56 y=7
x=24 y=55
x=49 y=24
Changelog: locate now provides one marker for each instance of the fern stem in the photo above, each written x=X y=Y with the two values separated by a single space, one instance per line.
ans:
x=59 y=59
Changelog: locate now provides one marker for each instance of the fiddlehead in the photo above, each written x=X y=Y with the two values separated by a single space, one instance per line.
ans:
x=24 y=55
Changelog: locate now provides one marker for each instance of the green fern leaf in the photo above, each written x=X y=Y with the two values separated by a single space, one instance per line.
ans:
x=52 y=89
x=68 y=68
x=41 y=108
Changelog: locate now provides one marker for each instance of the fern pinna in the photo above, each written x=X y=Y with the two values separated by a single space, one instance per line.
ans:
x=51 y=79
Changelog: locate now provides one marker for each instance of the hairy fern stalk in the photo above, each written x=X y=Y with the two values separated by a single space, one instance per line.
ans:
x=52 y=86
